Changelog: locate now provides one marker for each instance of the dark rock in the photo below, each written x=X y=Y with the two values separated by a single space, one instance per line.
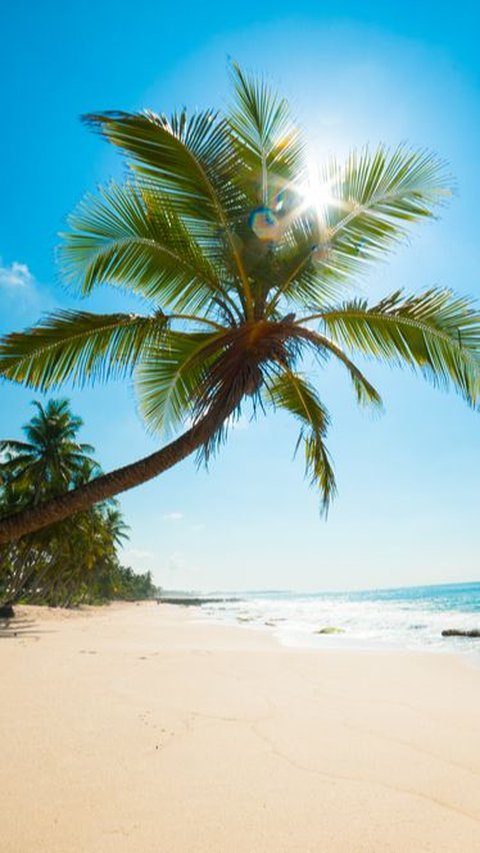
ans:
x=330 y=630
x=6 y=611
x=457 y=632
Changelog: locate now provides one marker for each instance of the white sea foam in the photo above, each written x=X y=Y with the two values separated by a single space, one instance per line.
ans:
x=411 y=619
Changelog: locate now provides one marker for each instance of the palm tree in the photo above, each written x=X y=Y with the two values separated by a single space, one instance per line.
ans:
x=60 y=563
x=245 y=255
x=50 y=459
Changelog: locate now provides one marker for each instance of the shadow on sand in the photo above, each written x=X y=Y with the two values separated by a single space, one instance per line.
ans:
x=20 y=627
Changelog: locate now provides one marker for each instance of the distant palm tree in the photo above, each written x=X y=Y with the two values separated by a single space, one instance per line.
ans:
x=51 y=458
x=244 y=254
x=49 y=463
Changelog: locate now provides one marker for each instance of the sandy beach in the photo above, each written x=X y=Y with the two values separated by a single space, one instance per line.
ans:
x=141 y=728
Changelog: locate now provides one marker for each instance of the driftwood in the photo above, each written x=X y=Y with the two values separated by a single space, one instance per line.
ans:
x=457 y=632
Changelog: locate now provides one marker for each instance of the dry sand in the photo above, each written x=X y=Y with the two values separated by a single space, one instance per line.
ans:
x=137 y=729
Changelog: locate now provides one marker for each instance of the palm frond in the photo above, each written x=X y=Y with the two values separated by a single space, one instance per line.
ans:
x=170 y=374
x=77 y=346
x=193 y=162
x=10 y=445
x=291 y=392
x=365 y=393
x=373 y=197
x=187 y=158
x=135 y=239
x=435 y=332
x=270 y=144
x=303 y=275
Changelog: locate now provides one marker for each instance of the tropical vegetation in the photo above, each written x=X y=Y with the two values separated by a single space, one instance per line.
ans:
x=246 y=256
x=75 y=560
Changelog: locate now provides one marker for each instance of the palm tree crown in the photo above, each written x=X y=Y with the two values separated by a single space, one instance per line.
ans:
x=51 y=459
x=246 y=258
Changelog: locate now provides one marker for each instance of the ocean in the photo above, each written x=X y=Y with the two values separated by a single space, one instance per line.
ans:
x=408 y=618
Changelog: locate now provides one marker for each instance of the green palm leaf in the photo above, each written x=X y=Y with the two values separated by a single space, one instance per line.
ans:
x=365 y=393
x=193 y=162
x=270 y=144
x=303 y=275
x=78 y=347
x=291 y=392
x=188 y=158
x=135 y=239
x=372 y=198
x=435 y=332
x=169 y=377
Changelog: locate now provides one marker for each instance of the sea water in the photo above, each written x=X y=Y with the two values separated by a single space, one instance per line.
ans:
x=410 y=617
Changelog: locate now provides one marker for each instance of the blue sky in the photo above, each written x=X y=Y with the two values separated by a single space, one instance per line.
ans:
x=409 y=489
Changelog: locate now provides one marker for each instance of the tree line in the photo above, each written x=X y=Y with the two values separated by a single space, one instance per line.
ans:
x=75 y=560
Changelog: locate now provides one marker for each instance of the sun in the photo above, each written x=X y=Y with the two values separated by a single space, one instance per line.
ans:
x=316 y=194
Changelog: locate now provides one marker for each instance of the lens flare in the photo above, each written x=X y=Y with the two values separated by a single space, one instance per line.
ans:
x=264 y=223
x=279 y=201
x=280 y=196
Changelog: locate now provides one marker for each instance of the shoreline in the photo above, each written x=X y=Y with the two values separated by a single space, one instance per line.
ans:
x=137 y=728
x=467 y=649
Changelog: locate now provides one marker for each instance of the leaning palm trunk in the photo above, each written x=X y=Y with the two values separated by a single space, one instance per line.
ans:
x=108 y=485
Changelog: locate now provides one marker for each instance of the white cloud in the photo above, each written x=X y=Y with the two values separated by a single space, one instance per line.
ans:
x=172 y=516
x=137 y=554
x=241 y=423
x=180 y=567
x=15 y=277
x=20 y=294
x=176 y=562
